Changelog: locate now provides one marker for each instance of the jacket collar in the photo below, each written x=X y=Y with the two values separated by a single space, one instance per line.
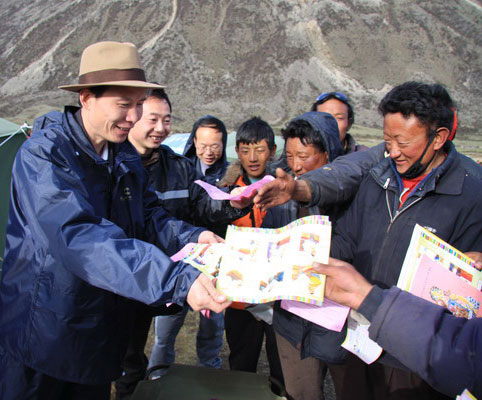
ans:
x=386 y=175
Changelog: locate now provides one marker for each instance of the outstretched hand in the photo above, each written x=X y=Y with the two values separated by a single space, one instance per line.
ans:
x=344 y=284
x=276 y=192
x=245 y=201
x=203 y=295
x=477 y=257
x=209 y=237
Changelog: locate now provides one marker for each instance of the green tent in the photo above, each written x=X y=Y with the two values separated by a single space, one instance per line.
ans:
x=11 y=137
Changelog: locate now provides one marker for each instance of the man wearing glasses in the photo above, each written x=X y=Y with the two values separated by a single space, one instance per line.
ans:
x=206 y=147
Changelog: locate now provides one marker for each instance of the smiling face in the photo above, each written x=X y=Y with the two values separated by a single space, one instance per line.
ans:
x=339 y=110
x=110 y=117
x=406 y=139
x=154 y=126
x=254 y=157
x=209 y=144
x=302 y=158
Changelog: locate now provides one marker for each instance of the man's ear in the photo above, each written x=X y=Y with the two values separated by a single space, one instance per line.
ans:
x=441 y=136
x=85 y=95
x=272 y=152
x=236 y=148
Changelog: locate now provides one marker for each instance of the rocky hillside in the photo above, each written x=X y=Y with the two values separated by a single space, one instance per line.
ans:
x=236 y=58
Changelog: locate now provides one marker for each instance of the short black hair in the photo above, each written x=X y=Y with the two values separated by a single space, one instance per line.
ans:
x=303 y=130
x=430 y=103
x=161 y=95
x=332 y=95
x=98 y=91
x=253 y=131
x=209 y=121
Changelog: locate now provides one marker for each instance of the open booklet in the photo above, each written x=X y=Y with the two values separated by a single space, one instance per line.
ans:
x=258 y=265
x=435 y=271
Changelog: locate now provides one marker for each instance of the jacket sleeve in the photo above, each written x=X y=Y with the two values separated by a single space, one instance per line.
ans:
x=55 y=207
x=338 y=181
x=166 y=232
x=347 y=230
x=444 y=350
x=206 y=211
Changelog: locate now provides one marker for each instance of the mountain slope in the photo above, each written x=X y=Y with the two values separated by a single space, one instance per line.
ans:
x=239 y=58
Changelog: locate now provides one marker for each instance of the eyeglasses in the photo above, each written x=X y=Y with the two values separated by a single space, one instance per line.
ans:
x=213 y=147
x=337 y=95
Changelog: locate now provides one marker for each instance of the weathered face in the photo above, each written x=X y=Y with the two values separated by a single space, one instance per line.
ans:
x=339 y=110
x=254 y=157
x=303 y=158
x=405 y=140
x=154 y=126
x=209 y=144
x=110 y=117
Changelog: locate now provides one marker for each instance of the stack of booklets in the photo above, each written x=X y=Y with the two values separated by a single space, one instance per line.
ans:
x=435 y=271
x=258 y=265
x=439 y=273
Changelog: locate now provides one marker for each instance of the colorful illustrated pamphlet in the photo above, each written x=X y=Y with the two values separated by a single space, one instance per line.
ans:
x=434 y=283
x=466 y=395
x=438 y=272
x=218 y=194
x=435 y=271
x=357 y=339
x=257 y=265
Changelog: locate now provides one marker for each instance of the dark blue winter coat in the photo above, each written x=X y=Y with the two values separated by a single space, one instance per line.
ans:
x=444 y=350
x=76 y=253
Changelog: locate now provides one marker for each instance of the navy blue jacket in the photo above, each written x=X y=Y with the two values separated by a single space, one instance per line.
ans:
x=75 y=253
x=315 y=340
x=216 y=171
x=444 y=350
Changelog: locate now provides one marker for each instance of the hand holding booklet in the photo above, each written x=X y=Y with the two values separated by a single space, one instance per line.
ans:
x=434 y=271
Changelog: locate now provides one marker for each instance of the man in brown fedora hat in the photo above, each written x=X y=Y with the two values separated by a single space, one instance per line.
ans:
x=77 y=255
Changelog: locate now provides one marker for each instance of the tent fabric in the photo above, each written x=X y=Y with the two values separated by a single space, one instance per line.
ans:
x=187 y=382
x=11 y=138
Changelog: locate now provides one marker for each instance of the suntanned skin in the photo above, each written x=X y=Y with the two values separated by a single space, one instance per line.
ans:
x=281 y=190
x=344 y=284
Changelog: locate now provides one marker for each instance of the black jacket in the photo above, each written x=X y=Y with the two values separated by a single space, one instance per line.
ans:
x=173 y=176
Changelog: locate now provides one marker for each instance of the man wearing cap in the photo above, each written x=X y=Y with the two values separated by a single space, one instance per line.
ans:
x=76 y=254
x=337 y=104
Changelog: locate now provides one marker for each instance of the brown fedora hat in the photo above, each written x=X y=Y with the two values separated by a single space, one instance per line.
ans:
x=111 y=64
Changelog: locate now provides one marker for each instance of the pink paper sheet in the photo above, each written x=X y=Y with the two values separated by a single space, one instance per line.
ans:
x=218 y=194
x=330 y=315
